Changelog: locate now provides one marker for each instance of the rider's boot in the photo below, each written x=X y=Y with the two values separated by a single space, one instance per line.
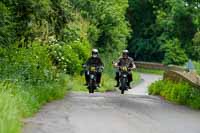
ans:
x=86 y=84
x=117 y=85
x=129 y=86
x=98 y=85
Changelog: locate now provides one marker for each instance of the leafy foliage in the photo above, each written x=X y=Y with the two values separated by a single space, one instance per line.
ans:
x=195 y=47
x=30 y=65
x=174 y=54
x=180 y=93
x=156 y=22
x=69 y=58
x=109 y=23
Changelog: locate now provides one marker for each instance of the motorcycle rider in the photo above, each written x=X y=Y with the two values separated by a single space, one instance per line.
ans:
x=94 y=60
x=125 y=60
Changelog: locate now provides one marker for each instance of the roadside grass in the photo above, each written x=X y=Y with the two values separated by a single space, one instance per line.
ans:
x=179 y=93
x=20 y=100
x=150 y=71
x=77 y=82
x=136 y=77
x=197 y=67
x=9 y=113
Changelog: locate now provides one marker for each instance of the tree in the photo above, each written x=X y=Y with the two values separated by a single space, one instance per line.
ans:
x=109 y=18
x=174 y=54
x=195 y=48
x=155 y=22
x=6 y=26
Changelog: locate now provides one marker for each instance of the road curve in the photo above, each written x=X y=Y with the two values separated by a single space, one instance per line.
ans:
x=113 y=113
x=142 y=88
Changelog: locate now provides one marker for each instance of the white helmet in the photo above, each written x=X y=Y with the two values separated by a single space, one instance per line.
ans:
x=95 y=53
x=125 y=51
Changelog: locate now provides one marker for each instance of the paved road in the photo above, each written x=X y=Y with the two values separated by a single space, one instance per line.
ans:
x=113 y=113
x=142 y=88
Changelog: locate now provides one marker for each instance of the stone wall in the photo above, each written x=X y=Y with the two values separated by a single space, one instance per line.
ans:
x=179 y=76
x=150 y=65
x=173 y=73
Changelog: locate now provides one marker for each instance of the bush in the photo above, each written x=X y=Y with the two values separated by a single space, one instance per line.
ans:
x=174 y=54
x=180 y=93
x=69 y=58
x=28 y=80
x=26 y=64
x=194 y=49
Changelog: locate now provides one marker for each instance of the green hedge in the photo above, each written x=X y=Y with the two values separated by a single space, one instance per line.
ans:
x=28 y=80
x=180 y=93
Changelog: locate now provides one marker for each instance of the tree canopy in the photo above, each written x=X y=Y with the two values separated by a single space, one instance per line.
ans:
x=156 y=22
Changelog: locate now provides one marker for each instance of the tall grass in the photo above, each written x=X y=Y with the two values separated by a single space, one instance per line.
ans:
x=19 y=100
x=136 y=77
x=197 y=67
x=180 y=93
x=9 y=113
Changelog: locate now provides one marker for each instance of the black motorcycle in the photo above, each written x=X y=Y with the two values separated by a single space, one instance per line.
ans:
x=92 y=73
x=123 y=79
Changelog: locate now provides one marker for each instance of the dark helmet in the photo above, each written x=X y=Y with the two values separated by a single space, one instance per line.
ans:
x=95 y=52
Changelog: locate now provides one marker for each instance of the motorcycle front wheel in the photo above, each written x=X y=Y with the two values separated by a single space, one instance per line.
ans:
x=122 y=91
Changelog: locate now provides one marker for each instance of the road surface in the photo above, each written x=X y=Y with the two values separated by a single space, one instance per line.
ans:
x=142 y=88
x=114 y=113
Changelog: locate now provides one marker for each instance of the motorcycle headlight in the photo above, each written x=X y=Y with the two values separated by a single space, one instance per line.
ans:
x=88 y=72
x=92 y=76
x=124 y=76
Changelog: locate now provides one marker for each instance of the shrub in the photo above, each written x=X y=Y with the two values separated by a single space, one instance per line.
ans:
x=26 y=64
x=174 y=54
x=180 y=93
x=194 y=49
x=28 y=80
x=69 y=58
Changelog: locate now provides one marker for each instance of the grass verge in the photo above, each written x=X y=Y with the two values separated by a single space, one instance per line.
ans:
x=77 y=84
x=136 y=78
x=179 y=93
x=150 y=71
x=197 y=67
x=19 y=100
x=108 y=82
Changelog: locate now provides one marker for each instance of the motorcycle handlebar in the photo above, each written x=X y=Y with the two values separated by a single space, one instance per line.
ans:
x=99 y=68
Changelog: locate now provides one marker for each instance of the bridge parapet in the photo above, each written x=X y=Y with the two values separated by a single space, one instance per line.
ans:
x=180 y=76
x=173 y=73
